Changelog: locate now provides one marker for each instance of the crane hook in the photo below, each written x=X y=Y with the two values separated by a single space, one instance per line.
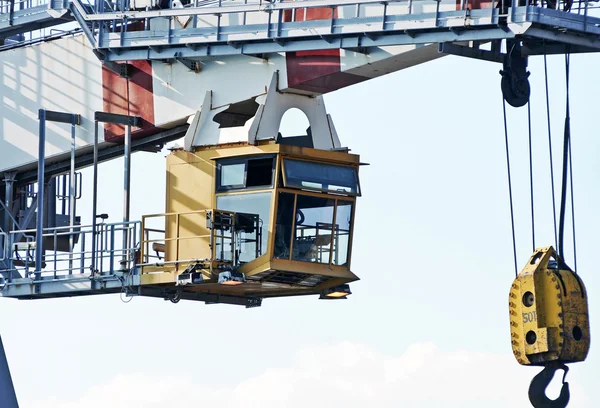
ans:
x=539 y=383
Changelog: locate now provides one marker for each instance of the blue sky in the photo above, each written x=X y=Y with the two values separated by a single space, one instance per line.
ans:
x=427 y=325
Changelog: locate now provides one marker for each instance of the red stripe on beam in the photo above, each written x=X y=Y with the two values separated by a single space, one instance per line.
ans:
x=129 y=96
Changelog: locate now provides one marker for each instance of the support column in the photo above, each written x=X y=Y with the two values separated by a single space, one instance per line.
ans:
x=95 y=199
x=9 y=181
x=126 y=191
x=39 y=228
x=128 y=122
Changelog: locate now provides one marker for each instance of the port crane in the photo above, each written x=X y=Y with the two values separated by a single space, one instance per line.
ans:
x=249 y=214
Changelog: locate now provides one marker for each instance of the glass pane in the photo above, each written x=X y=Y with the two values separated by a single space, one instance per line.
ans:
x=341 y=239
x=256 y=203
x=339 y=179
x=312 y=235
x=260 y=172
x=233 y=175
x=283 y=229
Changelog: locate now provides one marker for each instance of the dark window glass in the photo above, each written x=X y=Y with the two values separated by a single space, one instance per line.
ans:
x=260 y=172
x=283 y=228
x=321 y=176
x=237 y=174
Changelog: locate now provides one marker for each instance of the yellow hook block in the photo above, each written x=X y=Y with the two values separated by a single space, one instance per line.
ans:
x=549 y=319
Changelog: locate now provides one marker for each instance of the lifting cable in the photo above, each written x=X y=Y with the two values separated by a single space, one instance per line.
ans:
x=550 y=152
x=531 y=177
x=510 y=197
x=567 y=170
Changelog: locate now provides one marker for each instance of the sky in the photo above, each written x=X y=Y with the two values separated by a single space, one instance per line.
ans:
x=427 y=324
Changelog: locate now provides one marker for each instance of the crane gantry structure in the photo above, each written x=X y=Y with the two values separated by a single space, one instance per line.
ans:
x=249 y=214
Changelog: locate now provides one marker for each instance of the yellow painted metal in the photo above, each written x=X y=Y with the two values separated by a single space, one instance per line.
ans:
x=549 y=318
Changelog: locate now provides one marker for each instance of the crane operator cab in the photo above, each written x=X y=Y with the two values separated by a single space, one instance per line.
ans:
x=263 y=220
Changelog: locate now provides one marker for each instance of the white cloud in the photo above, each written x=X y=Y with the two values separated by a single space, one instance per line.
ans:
x=344 y=375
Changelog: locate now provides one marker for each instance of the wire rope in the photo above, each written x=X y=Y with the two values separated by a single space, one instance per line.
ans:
x=531 y=177
x=550 y=154
x=510 y=195
x=565 y=168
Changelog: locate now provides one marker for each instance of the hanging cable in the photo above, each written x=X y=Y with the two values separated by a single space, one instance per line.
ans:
x=550 y=152
x=565 y=167
x=510 y=197
x=568 y=62
x=572 y=209
x=531 y=177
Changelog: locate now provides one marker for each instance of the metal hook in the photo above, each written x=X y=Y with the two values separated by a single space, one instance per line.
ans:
x=539 y=383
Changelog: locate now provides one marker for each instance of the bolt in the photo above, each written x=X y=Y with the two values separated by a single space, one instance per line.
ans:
x=557 y=287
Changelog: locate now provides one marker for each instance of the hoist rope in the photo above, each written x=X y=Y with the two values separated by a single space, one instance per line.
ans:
x=572 y=209
x=531 y=177
x=510 y=197
x=565 y=169
x=550 y=153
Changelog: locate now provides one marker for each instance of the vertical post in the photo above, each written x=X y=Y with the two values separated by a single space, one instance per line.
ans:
x=39 y=247
x=8 y=398
x=126 y=190
x=94 y=199
x=72 y=194
x=9 y=180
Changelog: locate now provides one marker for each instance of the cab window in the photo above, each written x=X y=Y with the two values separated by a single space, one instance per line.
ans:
x=245 y=173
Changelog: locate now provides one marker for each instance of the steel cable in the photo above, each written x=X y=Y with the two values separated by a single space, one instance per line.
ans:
x=510 y=196
x=550 y=154
x=531 y=177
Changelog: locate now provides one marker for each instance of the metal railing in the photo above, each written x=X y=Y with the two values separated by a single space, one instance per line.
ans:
x=239 y=26
x=208 y=237
x=68 y=251
x=5 y=6
x=185 y=229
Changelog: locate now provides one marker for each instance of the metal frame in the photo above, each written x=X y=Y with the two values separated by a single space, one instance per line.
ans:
x=394 y=26
x=128 y=121
x=59 y=117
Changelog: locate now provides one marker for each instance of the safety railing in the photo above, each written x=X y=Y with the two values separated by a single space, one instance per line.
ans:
x=225 y=27
x=212 y=238
x=19 y=5
x=68 y=251
x=175 y=240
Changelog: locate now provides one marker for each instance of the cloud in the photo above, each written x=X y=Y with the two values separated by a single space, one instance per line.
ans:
x=344 y=375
